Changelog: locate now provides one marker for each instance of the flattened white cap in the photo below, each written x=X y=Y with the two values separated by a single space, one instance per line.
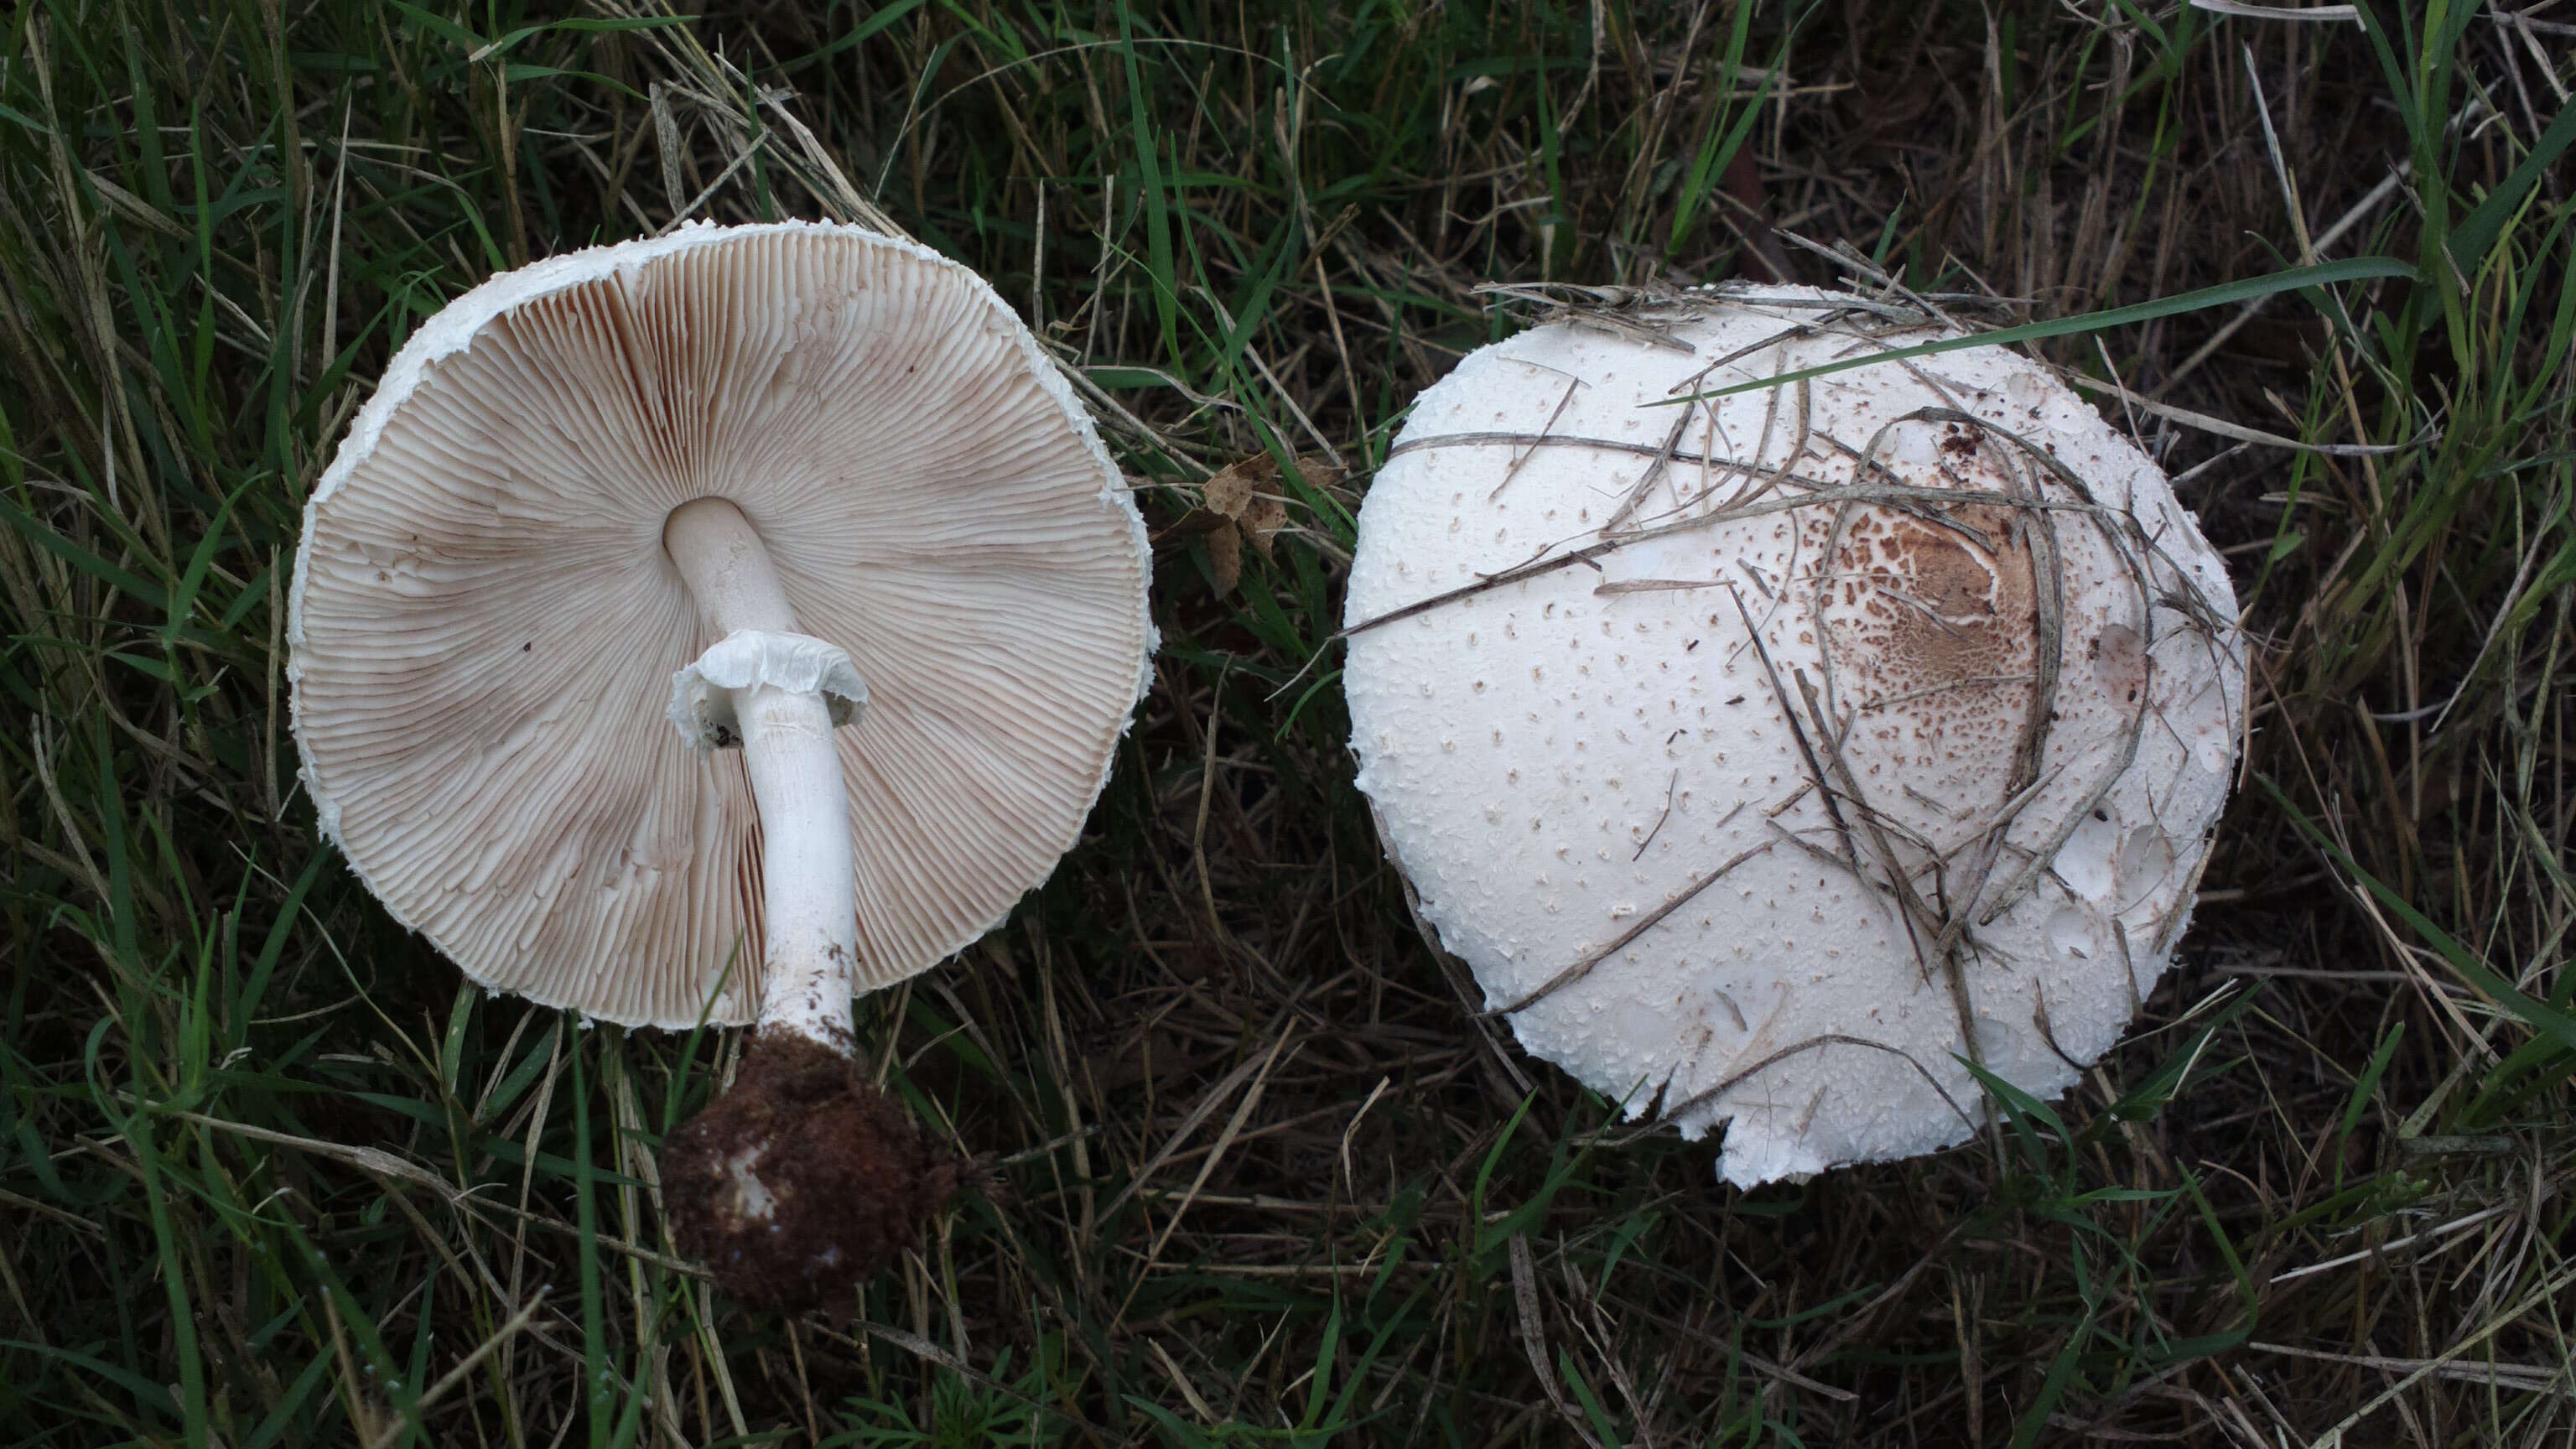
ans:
x=1605 y=791
x=485 y=624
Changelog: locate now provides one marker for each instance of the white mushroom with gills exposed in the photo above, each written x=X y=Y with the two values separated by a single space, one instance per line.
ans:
x=813 y=496
x=1785 y=756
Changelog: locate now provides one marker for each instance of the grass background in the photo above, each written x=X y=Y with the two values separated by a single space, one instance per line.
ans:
x=270 y=1174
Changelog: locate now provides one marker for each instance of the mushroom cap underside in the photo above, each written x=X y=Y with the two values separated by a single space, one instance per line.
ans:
x=1603 y=778
x=485 y=624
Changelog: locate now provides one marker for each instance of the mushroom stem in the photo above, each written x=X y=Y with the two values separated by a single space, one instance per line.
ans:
x=809 y=894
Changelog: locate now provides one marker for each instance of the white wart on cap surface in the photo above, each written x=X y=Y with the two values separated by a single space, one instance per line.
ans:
x=485 y=622
x=1600 y=795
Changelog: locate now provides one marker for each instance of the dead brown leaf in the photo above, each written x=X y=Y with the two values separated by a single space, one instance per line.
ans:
x=1225 y=558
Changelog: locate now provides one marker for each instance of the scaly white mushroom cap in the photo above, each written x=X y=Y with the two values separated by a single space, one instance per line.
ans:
x=2004 y=647
x=485 y=623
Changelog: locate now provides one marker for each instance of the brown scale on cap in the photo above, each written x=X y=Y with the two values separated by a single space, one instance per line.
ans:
x=802 y=1181
x=1927 y=604
x=1934 y=633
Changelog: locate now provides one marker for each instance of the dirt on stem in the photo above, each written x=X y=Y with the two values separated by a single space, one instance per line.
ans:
x=803 y=1180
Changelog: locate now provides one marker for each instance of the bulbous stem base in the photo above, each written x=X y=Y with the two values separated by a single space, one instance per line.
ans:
x=803 y=1180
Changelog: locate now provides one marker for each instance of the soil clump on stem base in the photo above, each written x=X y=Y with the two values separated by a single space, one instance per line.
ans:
x=801 y=1181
